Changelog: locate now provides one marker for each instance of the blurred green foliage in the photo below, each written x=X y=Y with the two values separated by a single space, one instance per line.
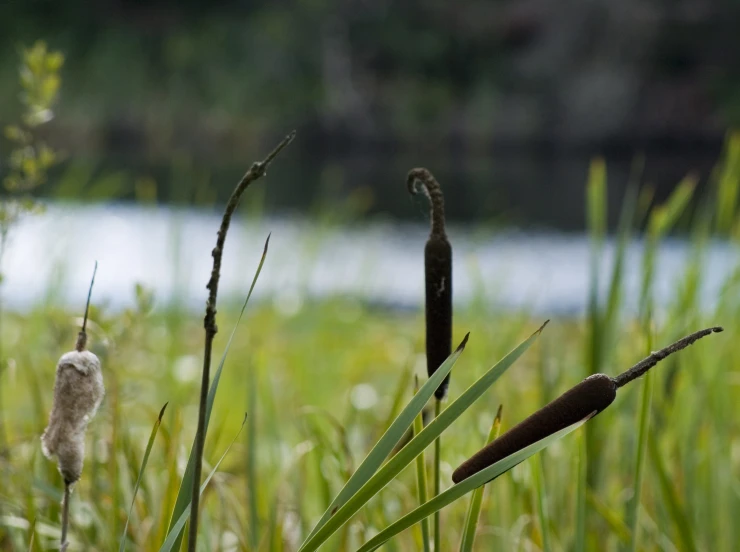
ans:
x=30 y=158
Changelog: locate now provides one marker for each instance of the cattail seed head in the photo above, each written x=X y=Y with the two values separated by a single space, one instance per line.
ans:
x=437 y=275
x=78 y=392
x=591 y=396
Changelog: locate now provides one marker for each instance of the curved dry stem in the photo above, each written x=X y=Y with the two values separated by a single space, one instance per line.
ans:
x=82 y=336
x=422 y=177
x=645 y=364
x=256 y=171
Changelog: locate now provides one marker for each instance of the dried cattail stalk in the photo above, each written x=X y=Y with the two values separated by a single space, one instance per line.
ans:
x=78 y=392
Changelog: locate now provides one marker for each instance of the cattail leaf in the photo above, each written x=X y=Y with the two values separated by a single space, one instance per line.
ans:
x=476 y=501
x=174 y=536
x=393 y=435
x=144 y=461
x=464 y=487
x=421 y=483
x=185 y=494
x=421 y=441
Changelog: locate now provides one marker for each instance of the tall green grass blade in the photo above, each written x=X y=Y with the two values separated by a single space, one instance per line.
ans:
x=173 y=539
x=420 y=442
x=421 y=483
x=464 y=487
x=614 y=298
x=581 y=489
x=672 y=501
x=476 y=501
x=184 y=496
x=251 y=453
x=539 y=483
x=33 y=535
x=665 y=217
x=389 y=439
x=144 y=461
x=596 y=198
x=728 y=184
x=596 y=216
x=404 y=383
x=612 y=518
x=633 y=508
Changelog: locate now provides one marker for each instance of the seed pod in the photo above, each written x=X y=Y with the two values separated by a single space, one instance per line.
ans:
x=592 y=395
x=438 y=277
x=78 y=392
x=588 y=398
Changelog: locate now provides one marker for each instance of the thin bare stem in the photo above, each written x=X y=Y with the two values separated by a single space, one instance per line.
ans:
x=645 y=364
x=82 y=336
x=256 y=171
x=65 y=517
x=437 y=478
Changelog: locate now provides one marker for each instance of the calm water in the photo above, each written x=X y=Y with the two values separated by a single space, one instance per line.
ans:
x=51 y=255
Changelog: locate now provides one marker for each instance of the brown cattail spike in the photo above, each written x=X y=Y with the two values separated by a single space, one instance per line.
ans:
x=590 y=396
x=438 y=277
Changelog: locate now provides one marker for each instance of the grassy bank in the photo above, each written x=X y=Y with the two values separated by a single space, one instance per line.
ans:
x=320 y=387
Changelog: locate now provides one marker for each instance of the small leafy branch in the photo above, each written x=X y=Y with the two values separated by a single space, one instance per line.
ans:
x=30 y=158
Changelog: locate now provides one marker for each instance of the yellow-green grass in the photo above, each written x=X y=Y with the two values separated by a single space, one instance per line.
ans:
x=310 y=436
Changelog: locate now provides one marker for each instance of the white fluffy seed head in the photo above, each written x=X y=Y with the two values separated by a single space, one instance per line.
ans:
x=78 y=392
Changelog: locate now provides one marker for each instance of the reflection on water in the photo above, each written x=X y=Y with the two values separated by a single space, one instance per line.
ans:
x=169 y=251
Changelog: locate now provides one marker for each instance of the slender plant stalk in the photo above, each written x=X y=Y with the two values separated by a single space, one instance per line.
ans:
x=4 y=448
x=654 y=358
x=634 y=506
x=33 y=535
x=256 y=171
x=580 y=538
x=437 y=478
x=539 y=477
x=65 y=518
x=421 y=479
x=252 y=458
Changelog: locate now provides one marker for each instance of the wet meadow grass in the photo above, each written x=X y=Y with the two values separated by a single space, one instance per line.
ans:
x=320 y=386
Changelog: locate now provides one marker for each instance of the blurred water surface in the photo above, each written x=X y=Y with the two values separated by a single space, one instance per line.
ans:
x=50 y=257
